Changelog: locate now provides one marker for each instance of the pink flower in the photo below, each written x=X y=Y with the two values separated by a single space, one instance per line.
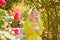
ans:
x=0 y=2
x=3 y=3
x=17 y=16
x=16 y=31
x=9 y=11
x=8 y=25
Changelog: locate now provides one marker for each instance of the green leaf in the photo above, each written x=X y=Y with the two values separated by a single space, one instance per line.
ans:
x=2 y=14
x=1 y=23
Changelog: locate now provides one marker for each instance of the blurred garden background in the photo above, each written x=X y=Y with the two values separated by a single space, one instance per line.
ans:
x=49 y=10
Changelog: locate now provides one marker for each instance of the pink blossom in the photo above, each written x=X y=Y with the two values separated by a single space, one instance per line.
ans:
x=17 y=16
x=8 y=25
x=16 y=31
x=3 y=3
x=9 y=11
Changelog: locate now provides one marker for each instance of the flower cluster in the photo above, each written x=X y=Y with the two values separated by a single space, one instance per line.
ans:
x=11 y=19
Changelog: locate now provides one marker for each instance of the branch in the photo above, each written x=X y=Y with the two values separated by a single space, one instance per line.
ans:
x=57 y=4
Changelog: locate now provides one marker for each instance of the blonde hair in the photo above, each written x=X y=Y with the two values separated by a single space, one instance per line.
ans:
x=35 y=11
